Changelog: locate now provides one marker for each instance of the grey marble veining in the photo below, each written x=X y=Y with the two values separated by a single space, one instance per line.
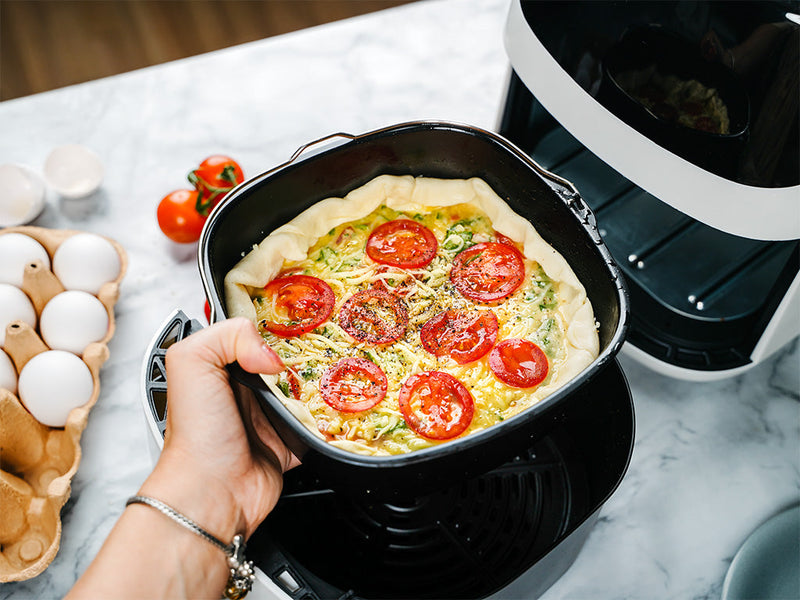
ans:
x=711 y=461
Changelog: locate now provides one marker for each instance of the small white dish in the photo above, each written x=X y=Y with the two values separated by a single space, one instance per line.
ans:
x=74 y=171
x=21 y=195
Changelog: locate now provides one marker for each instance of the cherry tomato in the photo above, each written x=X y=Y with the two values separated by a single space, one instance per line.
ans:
x=519 y=363
x=463 y=335
x=436 y=405
x=353 y=385
x=214 y=178
x=488 y=271
x=374 y=316
x=402 y=243
x=178 y=218
x=299 y=303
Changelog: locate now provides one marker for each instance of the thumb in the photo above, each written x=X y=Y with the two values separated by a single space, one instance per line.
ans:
x=228 y=341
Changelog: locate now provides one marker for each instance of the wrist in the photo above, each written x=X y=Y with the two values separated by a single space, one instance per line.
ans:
x=152 y=556
x=242 y=574
x=209 y=505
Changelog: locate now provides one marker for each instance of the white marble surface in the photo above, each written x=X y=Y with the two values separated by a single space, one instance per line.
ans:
x=711 y=461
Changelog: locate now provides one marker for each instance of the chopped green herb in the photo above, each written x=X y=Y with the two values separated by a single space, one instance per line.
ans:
x=458 y=237
x=549 y=334
x=308 y=372
x=348 y=264
x=325 y=253
x=399 y=427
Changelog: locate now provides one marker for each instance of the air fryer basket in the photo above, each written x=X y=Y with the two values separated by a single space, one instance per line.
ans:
x=433 y=149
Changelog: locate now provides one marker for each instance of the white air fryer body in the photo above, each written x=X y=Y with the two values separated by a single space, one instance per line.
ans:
x=747 y=211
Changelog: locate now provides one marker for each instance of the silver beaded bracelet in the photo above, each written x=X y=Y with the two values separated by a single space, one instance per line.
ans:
x=241 y=577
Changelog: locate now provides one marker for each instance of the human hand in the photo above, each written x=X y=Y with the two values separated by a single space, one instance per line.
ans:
x=210 y=469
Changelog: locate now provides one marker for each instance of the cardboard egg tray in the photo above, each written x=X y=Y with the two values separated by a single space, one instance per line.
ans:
x=37 y=462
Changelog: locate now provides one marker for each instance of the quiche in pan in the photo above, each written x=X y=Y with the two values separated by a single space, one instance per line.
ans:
x=413 y=311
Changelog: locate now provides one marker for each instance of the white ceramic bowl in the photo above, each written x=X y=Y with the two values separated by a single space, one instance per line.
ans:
x=74 y=171
x=21 y=195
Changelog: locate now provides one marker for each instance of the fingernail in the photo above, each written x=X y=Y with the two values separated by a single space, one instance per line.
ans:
x=272 y=354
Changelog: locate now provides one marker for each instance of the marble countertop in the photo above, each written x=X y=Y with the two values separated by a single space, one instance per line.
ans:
x=711 y=461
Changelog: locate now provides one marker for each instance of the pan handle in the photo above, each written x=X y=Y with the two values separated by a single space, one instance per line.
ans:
x=347 y=137
x=304 y=147
x=567 y=190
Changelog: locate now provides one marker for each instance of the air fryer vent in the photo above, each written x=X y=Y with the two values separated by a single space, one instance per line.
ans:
x=464 y=541
x=155 y=384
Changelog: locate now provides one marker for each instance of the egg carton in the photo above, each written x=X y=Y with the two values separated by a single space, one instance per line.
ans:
x=38 y=462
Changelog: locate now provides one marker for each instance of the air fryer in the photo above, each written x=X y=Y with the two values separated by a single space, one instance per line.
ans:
x=704 y=225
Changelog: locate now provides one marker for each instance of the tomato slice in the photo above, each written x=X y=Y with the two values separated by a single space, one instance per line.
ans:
x=488 y=271
x=465 y=335
x=299 y=303
x=436 y=405
x=353 y=385
x=519 y=363
x=374 y=316
x=402 y=243
x=294 y=383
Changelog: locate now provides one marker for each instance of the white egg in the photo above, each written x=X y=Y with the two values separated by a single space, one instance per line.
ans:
x=52 y=383
x=14 y=305
x=85 y=262
x=8 y=374
x=72 y=320
x=17 y=250
x=21 y=195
